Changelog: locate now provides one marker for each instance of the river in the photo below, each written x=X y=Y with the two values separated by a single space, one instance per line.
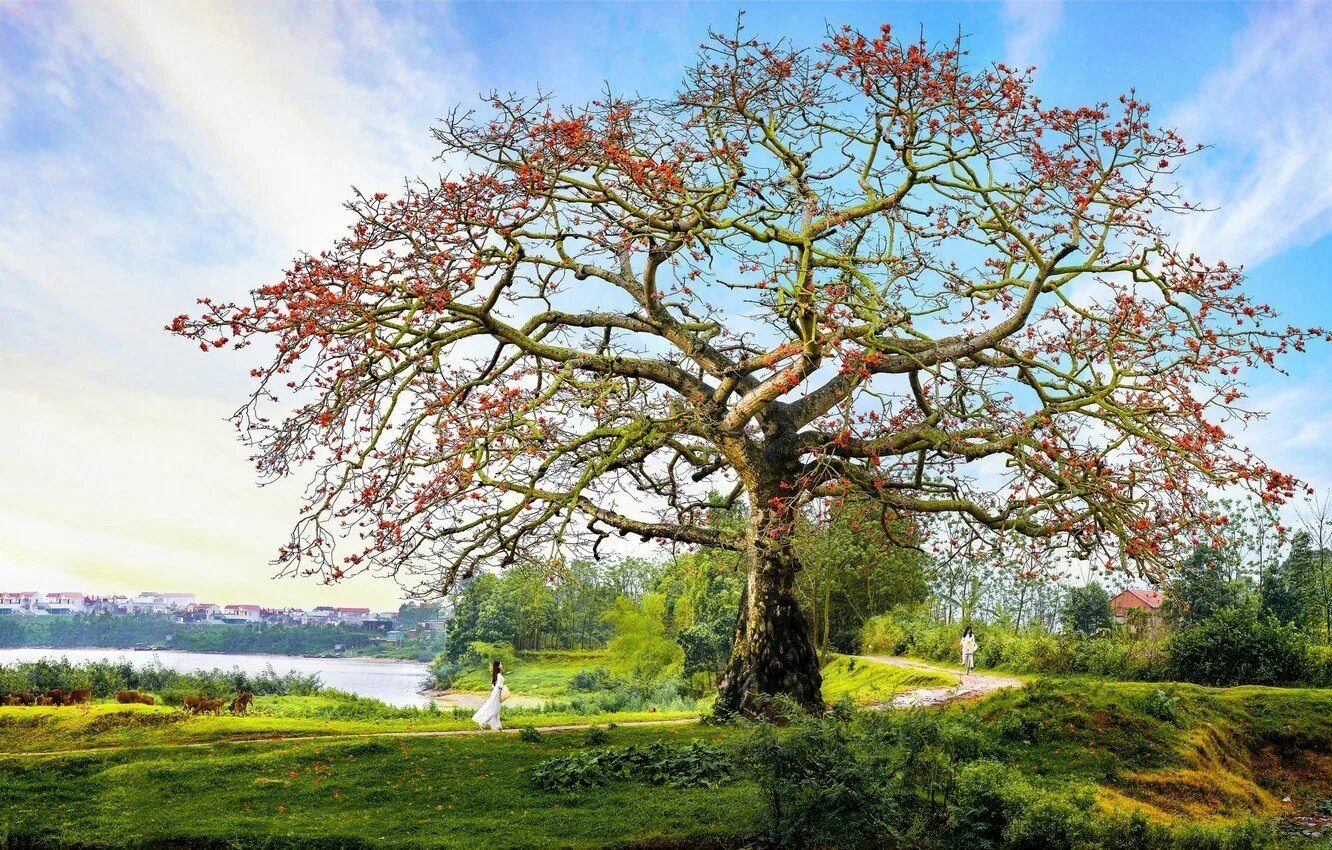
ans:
x=389 y=680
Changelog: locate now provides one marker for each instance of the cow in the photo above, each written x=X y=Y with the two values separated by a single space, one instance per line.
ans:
x=209 y=706
x=58 y=697
x=241 y=703
x=25 y=698
x=45 y=700
x=190 y=702
x=10 y=699
x=80 y=696
x=127 y=697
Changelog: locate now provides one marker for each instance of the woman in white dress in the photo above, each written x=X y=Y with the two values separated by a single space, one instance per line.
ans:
x=969 y=647
x=488 y=715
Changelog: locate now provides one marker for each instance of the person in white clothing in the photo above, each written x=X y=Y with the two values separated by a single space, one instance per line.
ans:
x=969 y=647
x=488 y=715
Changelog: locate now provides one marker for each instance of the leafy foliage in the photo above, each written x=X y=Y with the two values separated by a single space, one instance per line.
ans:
x=694 y=765
x=107 y=677
x=1087 y=611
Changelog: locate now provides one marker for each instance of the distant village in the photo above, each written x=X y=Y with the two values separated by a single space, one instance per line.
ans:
x=184 y=608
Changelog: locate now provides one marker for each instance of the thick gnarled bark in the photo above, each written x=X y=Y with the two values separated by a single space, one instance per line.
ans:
x=773 y=653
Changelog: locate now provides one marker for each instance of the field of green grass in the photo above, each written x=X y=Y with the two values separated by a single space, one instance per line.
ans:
x=336 y=771
x=383 y=792
x=547 y=675
x=872 y=682
x=543 y=674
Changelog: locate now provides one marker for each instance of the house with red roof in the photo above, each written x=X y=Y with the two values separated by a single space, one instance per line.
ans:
x=1139 y=608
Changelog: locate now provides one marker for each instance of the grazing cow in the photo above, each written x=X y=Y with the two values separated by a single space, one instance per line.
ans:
x=10 y=699
x=45 y=700
x=241 y=703
x=126 y=697
x=191 y=702
x=80 y=695
x=209 y=706
x=58 y=697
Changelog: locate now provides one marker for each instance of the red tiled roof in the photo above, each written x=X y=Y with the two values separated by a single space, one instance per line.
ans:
x=1149 y=598
x=244 y=608
x=355 y=610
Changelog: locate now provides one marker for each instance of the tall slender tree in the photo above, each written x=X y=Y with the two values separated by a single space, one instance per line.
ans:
x=860 y=268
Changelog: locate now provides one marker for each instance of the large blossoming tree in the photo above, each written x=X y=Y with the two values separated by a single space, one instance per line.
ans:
x=858 y=270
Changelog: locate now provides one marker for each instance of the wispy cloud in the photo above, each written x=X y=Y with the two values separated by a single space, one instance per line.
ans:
x=1028 y=27
x=153 y=152
x=1269 y=174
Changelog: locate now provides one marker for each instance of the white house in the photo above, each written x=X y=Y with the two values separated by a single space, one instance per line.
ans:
x=149 y=603
x=19 y=602
x=242 y=613
x=64 y=603
x=178 y=601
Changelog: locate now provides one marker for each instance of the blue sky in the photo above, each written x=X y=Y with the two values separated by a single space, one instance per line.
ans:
x=152 y=153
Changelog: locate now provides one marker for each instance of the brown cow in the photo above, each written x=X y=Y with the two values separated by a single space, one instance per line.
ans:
x=191 y=702
x=241 y=703
x=80 y=695
x=210 y=706
x=10 y=699
x=58 y=697
x=126 y=697
x=25 y=698
x=45 y=700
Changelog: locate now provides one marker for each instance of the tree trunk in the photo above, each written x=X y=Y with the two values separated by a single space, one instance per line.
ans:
x=773 y=653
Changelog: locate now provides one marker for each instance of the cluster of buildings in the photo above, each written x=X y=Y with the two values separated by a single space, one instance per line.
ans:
x=184 y=608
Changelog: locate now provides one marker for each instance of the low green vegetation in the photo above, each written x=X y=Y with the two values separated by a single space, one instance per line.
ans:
x=867 y=682
x=1061 y=763
x=395 y=792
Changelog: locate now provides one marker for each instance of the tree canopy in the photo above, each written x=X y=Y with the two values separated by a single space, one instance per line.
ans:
x=859 y=269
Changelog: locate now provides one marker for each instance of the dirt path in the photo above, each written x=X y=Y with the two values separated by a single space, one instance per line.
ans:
x=967 y=687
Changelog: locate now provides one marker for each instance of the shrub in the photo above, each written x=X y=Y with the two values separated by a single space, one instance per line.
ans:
x=694 y=765
x=1162 y=705
x=530 y=734
x=1238 y=645
x=595 y=679
x=597 y=737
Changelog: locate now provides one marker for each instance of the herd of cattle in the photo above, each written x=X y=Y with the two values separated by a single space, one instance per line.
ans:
x=83 y=696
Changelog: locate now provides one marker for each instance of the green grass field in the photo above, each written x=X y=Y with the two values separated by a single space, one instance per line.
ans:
x=872 y=682
x=535 y=674
x=153 y=776
x=547 y=675
x=414 y=792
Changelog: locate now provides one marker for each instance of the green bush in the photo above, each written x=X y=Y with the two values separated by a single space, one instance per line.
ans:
x=1239 y=645
x=530 y=734
x=595 y=679
x=694 y=765
x=1162 y=705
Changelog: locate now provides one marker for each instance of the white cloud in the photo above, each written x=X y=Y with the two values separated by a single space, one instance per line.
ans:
x=186 y=149
x=1028 y=26
x=1270 y=172
x=108 y=495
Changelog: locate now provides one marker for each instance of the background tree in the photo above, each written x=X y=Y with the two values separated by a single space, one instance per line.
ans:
x=854 y=568
x=1087 y=610
x=857 y=269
